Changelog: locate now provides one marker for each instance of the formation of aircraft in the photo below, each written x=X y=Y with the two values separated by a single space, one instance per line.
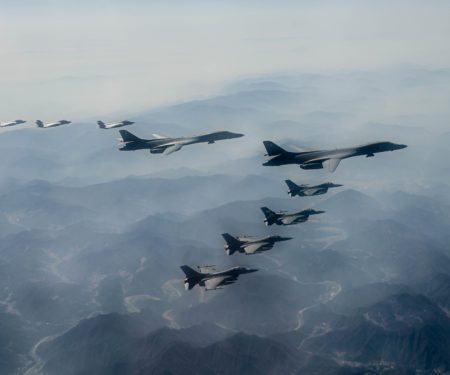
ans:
x=40 y=124
x=166 y=145
x=326 y=159
x=11 y=123
x=250 y=245
x=283 y=218
x=211 y=279
x=207 y=276
x=111 y=125
x=306 y=190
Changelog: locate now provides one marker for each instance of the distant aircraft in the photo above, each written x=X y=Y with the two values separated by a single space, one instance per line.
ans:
x=40 y=124
x=326 y=159
x=249 y=245
x=102 y=125
x=210 y=279
x=306 y=191
x=11 y=123
x=282 y=218
x=166 y=145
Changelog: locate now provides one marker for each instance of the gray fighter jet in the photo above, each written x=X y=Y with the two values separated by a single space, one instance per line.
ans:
x=307 y=191
x=40 y=124
x=250 y=245
x=111 y=125
x=282 y=218
x=210 y=279
x=11 y=123
x=326 y=159
x=165 y=145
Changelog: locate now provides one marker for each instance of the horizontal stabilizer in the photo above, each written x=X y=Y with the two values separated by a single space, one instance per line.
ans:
x=159 y=136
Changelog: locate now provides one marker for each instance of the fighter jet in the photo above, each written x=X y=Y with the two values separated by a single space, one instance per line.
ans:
x=306 y=191
x=249 y=245
x=165 y=145
x=11 y=123
x=282 y=218
x=326 y=159
x=207 y=276
x=102 y=125
x=40 y=124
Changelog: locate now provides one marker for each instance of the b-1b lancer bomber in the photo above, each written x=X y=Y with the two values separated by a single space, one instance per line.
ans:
x=111 y=125
x=306 y=190
x=283 y=218
x=165 y=145
x=40 y=124
x=11 y=123
x=249 y=245
x=210 y=279
x=326 y=159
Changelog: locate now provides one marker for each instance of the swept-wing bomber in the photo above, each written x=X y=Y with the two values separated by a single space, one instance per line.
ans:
x=306 y=190
x=283 y=218
x=326 y=159
x=40 y=124
x=11 y=123
x=211 y=279
x=250 y=245
x=111 y=125
x=166 y=145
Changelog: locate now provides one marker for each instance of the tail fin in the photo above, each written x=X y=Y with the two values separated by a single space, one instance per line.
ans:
x=189 y=272
x=101 y=124
x=291 y=185
x=233 y=243
x=39 y=123
x=270 y=215
x=273 y=149
x=128 y=137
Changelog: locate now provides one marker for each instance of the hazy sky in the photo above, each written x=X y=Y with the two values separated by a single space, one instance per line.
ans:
x=85 y=59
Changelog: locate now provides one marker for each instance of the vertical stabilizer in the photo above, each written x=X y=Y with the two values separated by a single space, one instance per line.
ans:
x=233 y=244
x=273 y=149
x=271 y=216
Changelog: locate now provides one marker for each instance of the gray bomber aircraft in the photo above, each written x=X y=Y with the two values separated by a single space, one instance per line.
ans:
x=165 y=145
x=40 y=124
x=326 y=159
x=306 y=190
x=11 y=123
x=210 y=279
x=111 y=125
x=283 y=218
x=250 y=245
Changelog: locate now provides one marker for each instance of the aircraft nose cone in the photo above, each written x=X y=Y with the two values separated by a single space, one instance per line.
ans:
x=238 y=135
x=251 y=270
x=399 y=147
x=285 y=238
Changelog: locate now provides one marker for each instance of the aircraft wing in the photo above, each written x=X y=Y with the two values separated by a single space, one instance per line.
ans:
x=311 y=191
x=172 y=148
x=287 y=220
x=330 y=165
x=253 y=248
x=158 y=136
x=212 y=284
